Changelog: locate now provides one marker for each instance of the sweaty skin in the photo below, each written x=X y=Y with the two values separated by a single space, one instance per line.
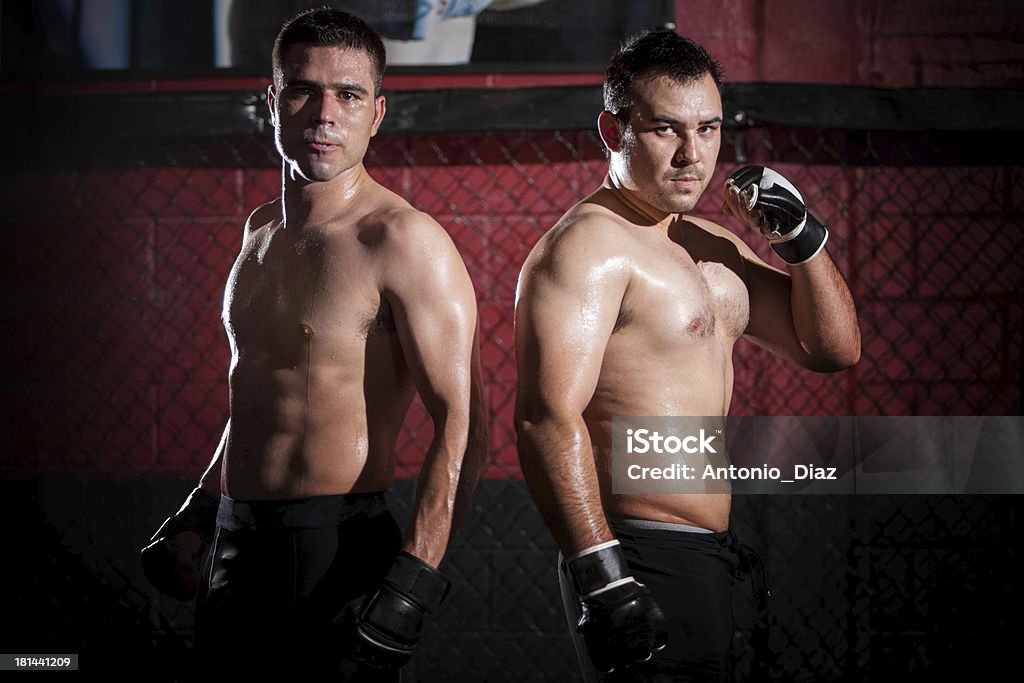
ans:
x=630 y=307
x=343 y=303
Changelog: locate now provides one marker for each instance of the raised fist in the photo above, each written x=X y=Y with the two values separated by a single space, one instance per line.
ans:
x=764 y=199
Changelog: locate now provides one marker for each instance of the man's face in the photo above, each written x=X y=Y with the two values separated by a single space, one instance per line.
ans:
x=669 y=145
x=325 y=111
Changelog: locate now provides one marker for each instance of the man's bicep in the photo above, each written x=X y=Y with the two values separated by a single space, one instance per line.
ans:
x=563 y=324
x=771 y=314
x=435 y=316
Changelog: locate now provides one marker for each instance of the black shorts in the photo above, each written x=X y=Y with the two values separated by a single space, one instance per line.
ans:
x=280 y=572
x=713 y=592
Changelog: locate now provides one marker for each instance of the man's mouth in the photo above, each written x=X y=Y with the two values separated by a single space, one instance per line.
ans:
x=321 y=146
x=685 y=180
x=321 y=140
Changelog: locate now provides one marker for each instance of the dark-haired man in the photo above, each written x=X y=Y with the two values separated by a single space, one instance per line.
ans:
x=630 y=307
x=343 y=303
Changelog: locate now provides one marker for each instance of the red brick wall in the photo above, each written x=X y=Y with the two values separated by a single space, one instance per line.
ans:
x=122 y=359
x=909 y=43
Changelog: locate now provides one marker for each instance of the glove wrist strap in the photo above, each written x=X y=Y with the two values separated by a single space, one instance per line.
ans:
x=802 y=244
x=598 y=569
x=418 y=581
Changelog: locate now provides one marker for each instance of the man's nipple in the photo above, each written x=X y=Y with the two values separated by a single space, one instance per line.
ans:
x=702 y=323
x=307 y=330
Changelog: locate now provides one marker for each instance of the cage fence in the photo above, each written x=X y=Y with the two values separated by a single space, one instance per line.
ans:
x=116 y=367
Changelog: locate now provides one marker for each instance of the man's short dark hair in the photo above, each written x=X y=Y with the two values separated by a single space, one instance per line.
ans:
x=329 y=27
x=651 y=54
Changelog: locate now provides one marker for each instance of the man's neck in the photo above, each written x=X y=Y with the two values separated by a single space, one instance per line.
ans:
x=307 y=203
x=650 y=215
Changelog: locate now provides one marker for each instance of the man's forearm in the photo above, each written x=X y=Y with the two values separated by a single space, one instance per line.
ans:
x=824 y=314
x=437 y=489
x=558 y=466
x=475 y=459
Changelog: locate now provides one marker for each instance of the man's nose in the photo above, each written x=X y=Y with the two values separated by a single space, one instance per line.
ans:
x=325 y=110
x=686 y=153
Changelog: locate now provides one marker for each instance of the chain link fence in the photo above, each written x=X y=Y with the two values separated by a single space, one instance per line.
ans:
x=116 y=365
x=122 y=273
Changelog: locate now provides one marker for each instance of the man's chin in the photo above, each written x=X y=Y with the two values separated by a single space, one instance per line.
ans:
x=317 y=173
x=679 y=204
x=322 y=175
x=683 y=202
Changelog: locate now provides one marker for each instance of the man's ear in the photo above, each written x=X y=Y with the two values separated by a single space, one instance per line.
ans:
x=271 y=103
x=610 y=128
x=379 y=109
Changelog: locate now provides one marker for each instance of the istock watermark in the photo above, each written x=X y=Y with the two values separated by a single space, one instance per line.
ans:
x=827 y=454
x=668 y=454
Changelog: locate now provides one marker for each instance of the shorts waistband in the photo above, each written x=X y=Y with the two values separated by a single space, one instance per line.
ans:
x=665 y=526
x=302 y=513
x=725 y=541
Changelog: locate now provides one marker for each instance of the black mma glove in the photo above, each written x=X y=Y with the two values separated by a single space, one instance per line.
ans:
x=795 y=235
x=620 y=621
x=170 y=569
x=387 y=629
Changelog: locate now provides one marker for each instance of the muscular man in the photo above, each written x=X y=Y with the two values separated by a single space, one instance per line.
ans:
x=343 y=303
x=630 y=307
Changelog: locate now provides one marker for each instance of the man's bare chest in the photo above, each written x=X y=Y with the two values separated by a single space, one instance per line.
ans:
x=283 y=292
x=675 y=297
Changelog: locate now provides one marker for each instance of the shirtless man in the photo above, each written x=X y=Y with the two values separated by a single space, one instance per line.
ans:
x=629 y=307
x=343 y=303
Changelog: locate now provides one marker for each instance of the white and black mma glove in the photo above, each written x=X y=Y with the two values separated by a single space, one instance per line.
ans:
x=387 y=629
x=795 y=235
x=620 y=621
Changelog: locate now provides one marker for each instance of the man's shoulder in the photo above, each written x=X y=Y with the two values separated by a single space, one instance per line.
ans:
x=263 y=215
x=414 y=253
x=405 y=240
x=589 y=238
x=397 y=226
x=588 y=228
